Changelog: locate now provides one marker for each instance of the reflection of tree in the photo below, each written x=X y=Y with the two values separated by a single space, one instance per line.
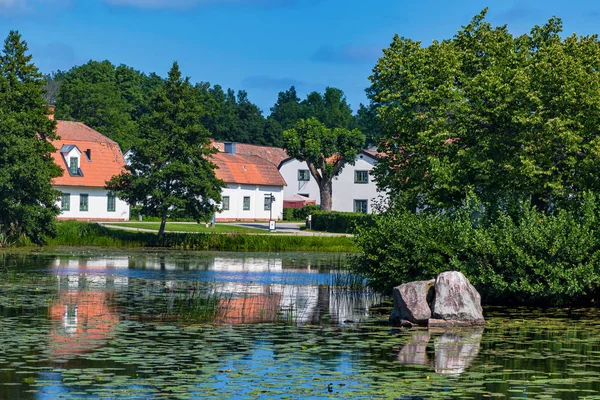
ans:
x=455 y=349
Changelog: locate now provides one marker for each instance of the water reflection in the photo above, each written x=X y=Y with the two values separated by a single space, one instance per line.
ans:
x=82 y=315
x=251 y=289
x=454 y=349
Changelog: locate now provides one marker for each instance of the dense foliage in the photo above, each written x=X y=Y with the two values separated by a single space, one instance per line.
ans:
x=112 y=99
x=325 y=150
x=340 y=222
x=170 y=168
x=299 y=214
x=27 y=199
x=532 y=258
x=489 y=114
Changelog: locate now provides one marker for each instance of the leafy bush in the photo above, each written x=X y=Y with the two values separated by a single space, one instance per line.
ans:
x=299 y=214
x=531 y=258
x=175 y=216
x=340 y=222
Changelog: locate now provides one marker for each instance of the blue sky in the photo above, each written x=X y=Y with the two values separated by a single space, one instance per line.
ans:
x=262 y=46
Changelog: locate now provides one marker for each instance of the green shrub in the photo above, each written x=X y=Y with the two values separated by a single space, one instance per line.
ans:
x=340 y=222
x=175 y=216
x=529 y=259
x=299 y=214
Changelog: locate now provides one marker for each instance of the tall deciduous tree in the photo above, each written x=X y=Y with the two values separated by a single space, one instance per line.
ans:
x=502 y=117
x=326 y=151
x=109 y=99
x=27 y=199
x=170 y=167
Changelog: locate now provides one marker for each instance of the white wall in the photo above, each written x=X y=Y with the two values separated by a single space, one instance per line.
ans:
x=97 y=204
x=257 y=210
x=344 y=189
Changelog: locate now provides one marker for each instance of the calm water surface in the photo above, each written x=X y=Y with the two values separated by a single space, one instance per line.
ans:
x=91 y=324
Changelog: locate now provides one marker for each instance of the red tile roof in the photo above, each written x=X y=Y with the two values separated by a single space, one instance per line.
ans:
x=246 y=169
x=275 y=155
x=107 y=159
x=374 y=153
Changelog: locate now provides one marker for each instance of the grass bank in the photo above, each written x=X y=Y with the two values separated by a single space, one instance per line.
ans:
x=182 y=227
x=72 y=233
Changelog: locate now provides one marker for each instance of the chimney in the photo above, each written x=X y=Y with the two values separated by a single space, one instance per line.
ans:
x=50 y=112
x=230 y=148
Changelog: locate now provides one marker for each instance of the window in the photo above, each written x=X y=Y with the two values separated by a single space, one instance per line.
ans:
x=73 y=166
x=304 y=194
x=360 y=206
x=83 y=202
x=65 y=202
x=303 y=175
x=112 y=203
x=225 y=203
x=267 y=202
x=361 y=176
x=246 y=203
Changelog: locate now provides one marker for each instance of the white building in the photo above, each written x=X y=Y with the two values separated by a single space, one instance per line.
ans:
x=353 y=190
x=88 y=160
x=254 y=188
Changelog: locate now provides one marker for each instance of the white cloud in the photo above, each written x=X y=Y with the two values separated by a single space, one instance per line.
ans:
x=20 y=6
x=179 y=4
x=12 y=4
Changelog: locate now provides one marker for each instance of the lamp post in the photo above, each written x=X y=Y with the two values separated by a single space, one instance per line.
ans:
x=272 y=224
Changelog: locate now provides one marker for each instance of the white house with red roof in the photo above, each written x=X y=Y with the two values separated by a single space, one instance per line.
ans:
x=88 y=160
x=254 y=187
x=354 y=190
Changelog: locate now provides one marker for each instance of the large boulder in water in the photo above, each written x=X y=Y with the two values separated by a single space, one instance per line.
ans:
x=456 y=301
x=411 y=302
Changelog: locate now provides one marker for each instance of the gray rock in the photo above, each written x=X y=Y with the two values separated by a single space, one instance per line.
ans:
x=456 y=299
x=411 y=302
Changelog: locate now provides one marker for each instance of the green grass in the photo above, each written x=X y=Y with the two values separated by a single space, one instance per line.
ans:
x=73 y=233
x=179 y=227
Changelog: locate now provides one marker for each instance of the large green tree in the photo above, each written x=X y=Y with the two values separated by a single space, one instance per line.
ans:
x=27 y=199
x=325 y=150
x=490 y=114
x=170 y=169
x=110 y=99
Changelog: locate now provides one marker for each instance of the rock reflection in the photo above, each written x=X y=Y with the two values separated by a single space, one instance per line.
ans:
x=415 y=351
x=454 y=349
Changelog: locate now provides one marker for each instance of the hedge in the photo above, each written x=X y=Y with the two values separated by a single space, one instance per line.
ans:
x=340 y=222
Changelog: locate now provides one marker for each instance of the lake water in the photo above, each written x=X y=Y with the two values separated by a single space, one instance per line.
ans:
x=102 y=324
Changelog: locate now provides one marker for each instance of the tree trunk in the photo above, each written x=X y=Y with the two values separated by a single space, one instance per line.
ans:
x=539 y=203
x=163 y=222
x=325 y=191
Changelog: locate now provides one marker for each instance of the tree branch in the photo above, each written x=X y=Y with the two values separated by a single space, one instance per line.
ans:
x=315 y=172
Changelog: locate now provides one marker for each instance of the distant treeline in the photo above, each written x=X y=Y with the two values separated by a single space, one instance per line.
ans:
x=112 y=99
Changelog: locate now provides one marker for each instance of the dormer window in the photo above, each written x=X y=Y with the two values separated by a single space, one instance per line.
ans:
x=72 y=156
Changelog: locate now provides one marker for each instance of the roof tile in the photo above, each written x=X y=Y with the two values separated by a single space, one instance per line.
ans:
x=246 y=169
